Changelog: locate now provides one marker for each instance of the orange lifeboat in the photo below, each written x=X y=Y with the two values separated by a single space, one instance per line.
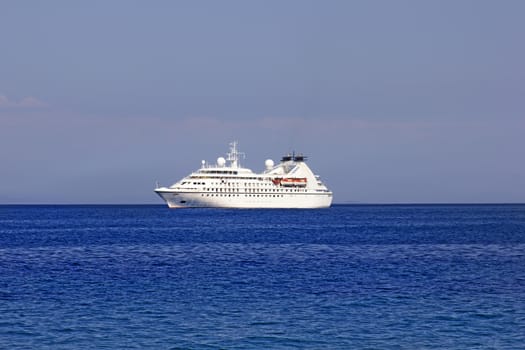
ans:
x=294 y=181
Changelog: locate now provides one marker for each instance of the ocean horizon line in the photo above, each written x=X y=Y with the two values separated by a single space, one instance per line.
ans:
x=333 y=204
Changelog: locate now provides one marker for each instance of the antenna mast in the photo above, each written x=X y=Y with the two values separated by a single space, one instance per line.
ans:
x=234 y=155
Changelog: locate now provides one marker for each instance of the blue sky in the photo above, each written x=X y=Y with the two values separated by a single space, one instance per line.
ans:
x=393 y=101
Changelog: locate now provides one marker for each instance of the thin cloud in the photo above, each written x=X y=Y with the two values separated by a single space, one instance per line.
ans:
x=25 y=102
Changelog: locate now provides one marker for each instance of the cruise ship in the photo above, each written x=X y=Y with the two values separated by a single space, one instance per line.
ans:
x=226 y=184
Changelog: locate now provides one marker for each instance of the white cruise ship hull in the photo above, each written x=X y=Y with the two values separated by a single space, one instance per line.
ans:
x=208 y=200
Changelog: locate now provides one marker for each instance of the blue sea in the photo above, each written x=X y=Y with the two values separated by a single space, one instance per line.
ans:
x=347 y=277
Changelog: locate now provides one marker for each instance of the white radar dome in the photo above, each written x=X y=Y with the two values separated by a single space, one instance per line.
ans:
x=268 y=163
x=221 y=162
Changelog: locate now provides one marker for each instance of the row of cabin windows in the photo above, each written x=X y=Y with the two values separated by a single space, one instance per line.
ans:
x=229 y=172
x=236 y=195
x=255 y=190
x=237 y=184
x=248 y=184
x=227 y=177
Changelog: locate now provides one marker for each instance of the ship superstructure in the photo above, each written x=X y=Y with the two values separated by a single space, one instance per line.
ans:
x=226 y=184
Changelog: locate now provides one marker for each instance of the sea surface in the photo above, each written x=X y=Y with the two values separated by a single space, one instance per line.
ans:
x=347 y=277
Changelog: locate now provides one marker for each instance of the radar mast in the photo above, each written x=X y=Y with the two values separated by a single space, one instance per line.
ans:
x=234 y=155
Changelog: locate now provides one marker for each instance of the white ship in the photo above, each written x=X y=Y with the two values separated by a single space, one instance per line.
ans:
x=289 y=184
